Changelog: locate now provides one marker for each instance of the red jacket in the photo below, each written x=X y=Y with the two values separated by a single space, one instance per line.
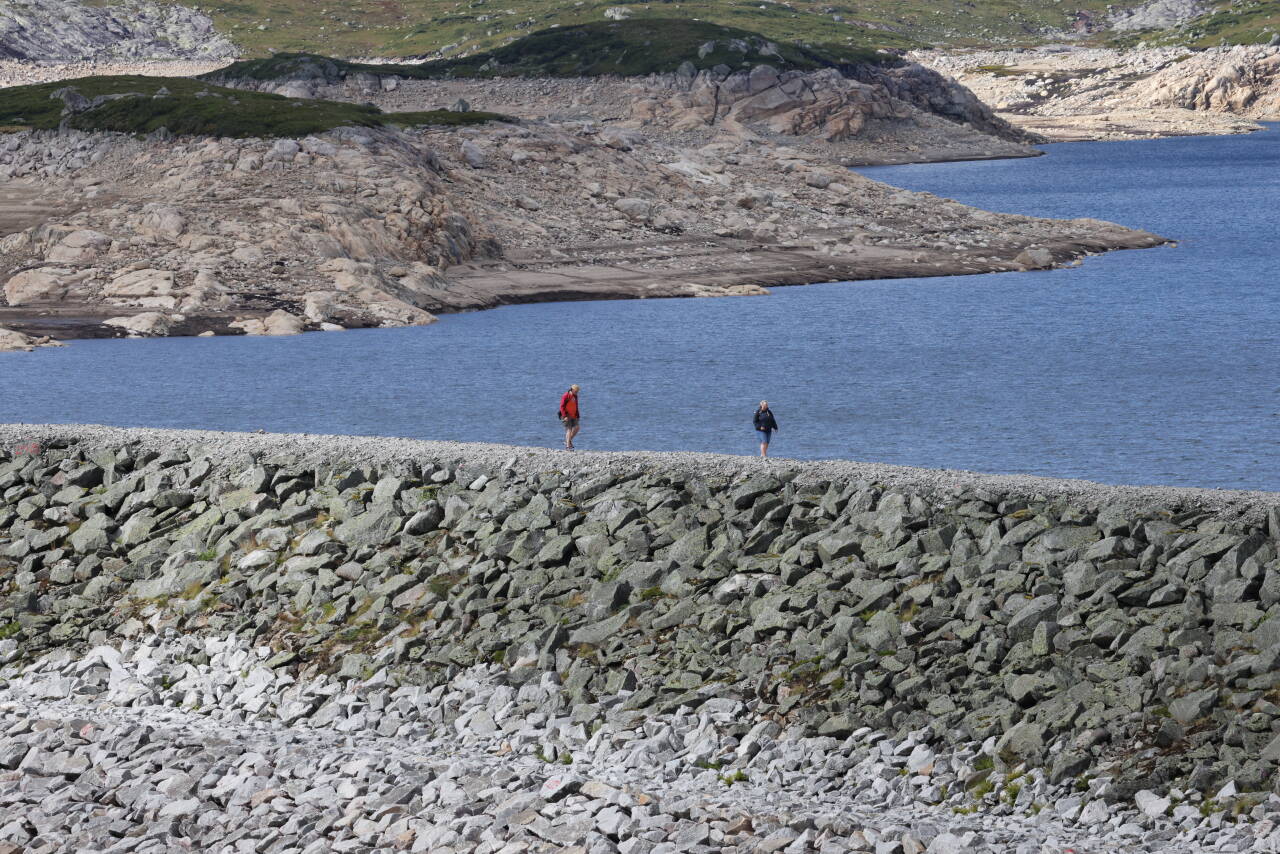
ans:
x=569 y=405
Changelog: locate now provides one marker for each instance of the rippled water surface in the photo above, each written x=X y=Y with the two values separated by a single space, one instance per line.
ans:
x=1156 y=366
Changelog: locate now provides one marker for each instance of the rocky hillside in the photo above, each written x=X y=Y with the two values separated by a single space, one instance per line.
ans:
x=428 y=646
x=791 y=97
x=1102 y=93
x=626 y=48
x=130 y=30
x=1242 y=81
x=441 y=29
x=71 y=31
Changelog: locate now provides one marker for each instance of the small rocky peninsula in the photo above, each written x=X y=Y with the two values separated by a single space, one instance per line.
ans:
x=712 y=184
x=220 y=641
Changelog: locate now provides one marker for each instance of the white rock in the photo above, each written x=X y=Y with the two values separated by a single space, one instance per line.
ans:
x=135 y=285
x=1151 y=804
x=146 y=323
x=11 y=340
x=44 y=284
x=1094 y=813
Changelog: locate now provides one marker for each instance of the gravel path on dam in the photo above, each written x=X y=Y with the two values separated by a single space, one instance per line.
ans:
x=375 y=451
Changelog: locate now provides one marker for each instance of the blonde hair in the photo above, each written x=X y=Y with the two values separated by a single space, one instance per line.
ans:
x=573 y=387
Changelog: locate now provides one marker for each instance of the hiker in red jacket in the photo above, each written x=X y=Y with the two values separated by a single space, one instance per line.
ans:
x=569 y=415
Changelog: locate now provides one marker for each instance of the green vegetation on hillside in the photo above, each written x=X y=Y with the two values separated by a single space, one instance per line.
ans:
x=445 y=27
x=460 y=28
x=644 y=47
x=453 y=29
x=184 y=106
x=624 y=47
x=1231 y=22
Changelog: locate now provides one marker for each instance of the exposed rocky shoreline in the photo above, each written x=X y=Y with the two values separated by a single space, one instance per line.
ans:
x=341 y=643
x=1094 y=93
x=362 y=227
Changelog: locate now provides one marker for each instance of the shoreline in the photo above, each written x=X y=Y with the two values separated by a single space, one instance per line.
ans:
x=816 y=270
x=574 y=284
x=716 y=267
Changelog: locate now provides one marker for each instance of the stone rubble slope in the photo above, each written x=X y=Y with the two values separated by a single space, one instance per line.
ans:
x=1122 y=93
x=1061 y=648
x=25 y=72
x=361 y=227
x=1157 y=14
x=70 y=31
x=180 y=742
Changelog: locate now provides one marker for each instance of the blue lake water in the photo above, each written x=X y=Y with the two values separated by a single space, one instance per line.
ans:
x=1156 y=366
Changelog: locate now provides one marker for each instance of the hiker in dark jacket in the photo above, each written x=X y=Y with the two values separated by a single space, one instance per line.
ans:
x=765 y=425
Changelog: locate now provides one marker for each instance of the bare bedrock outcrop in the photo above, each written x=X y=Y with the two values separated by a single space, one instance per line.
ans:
x=1094 y=93
x=361 y=227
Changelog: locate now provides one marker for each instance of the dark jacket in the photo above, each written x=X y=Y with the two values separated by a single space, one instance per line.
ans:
x=765 y=420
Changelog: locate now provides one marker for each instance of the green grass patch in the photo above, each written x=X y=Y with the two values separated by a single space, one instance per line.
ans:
x=9 y=630
x=982 y=788
x=1001 y=71
x=141 y=105
x=440 y=585
x=192 y=590
x=645 y=46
